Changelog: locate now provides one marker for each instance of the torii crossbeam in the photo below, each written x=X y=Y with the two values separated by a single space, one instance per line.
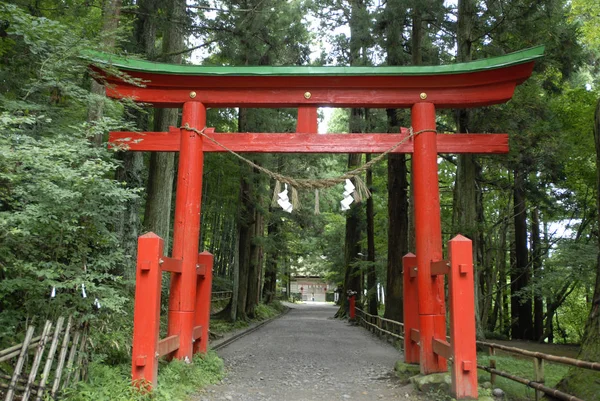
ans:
x=423 y=89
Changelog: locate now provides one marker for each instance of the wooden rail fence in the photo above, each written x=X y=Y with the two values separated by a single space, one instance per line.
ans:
x=395 y=330
x=221 y=295
x=66 y=345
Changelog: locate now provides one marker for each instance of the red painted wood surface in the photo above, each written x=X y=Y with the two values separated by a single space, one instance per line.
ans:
x=470 y=96
x=428 y=233
x=186 y=230
x=307 y=120
x=352 y=307
x=445 y=90
x=146 y=314
x=202 y=307
x=309 y=143
x=462 y=318
x=411 y=308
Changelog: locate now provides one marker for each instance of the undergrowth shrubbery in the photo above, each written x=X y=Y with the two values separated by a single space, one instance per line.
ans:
x=176 y=381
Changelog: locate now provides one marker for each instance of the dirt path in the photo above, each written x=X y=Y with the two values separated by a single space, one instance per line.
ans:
x=306 y=355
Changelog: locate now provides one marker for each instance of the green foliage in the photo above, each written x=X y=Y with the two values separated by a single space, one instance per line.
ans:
x=176 y=381
x=59 y=203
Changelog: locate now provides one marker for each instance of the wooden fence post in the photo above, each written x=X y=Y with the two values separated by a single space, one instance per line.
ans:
x=492 y=365
x=411 y=307
x=202 y=309
x=462 y=318
x=538 y=367
x=146 y=314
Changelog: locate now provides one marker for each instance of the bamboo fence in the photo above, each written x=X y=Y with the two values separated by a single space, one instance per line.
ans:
x=63 y=348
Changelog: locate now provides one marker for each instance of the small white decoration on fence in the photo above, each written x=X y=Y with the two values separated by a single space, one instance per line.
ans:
x=83 y=294
x=348 y=199
x=97 y=303
x=53 y=293
x=284 y=200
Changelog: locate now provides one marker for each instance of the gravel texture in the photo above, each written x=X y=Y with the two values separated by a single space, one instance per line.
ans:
x=307 y=355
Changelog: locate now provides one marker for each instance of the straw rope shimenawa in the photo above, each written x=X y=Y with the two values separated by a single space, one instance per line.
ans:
x=361 y=192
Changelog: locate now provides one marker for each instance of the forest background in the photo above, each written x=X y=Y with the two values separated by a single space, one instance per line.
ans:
x=71 y=210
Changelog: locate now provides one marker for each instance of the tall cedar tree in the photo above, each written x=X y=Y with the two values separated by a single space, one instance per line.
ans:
x=394 y=19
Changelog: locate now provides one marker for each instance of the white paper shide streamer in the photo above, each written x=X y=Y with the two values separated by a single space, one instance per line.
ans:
x=284 y=200
x=83 y=294
x=53 y=293
x=348 y=198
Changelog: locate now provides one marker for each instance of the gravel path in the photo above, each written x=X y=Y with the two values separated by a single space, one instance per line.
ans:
x=307 y=355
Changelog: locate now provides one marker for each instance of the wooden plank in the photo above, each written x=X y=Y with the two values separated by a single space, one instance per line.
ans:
x=308 y=143
x=170 y=264
x=168 y=345
x=439 y=267
x=49 y=359
x=442 y=348
x=20 y=362
x=197 y=332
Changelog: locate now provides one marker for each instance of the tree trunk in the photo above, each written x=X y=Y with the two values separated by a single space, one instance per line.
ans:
x=129 y=224
x=359 y=35
x=371 y=274
x=579 y=382
x=161 y=174
x=246 y=226
x=465 y=216
x=397 y=180
x=521 y=308
x=536 y=260
x=352 y=277
x=273 y=229
x=255 y=264
x=111 y=13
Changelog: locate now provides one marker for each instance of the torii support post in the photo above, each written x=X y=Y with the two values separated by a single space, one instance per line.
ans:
x=186 y=230
x=146 y=315
x=203 y=294
x=428 y=233
x=462 y=318
x=411 y=308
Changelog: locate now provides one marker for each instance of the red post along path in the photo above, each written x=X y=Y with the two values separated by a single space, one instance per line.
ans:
x=202 y=309
x=411 y=307
x=146 y=314
x=186 y=230
x=462 y=318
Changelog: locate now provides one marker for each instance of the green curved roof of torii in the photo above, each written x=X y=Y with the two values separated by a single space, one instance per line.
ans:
x=138 y=65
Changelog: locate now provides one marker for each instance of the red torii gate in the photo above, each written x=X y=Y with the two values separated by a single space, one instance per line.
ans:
x=423 y=89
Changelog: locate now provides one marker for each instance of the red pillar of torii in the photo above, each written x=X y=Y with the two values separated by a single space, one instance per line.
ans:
x=423 y=89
